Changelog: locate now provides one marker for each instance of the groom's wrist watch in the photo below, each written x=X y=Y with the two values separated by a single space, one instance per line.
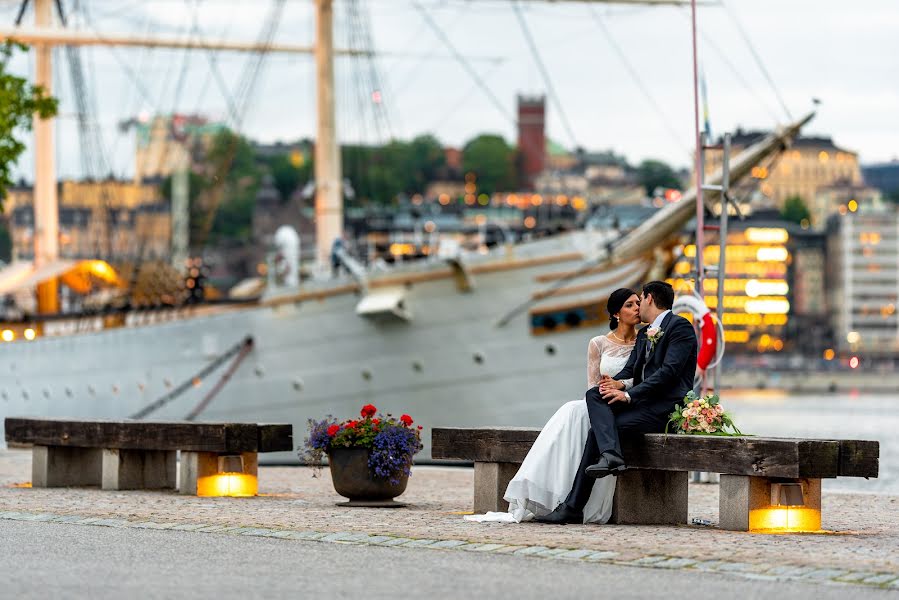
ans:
x=627 y=396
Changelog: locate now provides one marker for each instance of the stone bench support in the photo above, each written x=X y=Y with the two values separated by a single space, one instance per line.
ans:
x=139 y=469
x=490 y=482
x=62 y=466
x=744 y=503
x=198 y=467
x=650 y=497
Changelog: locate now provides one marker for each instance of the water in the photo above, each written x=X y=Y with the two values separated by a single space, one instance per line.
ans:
x=842 y=415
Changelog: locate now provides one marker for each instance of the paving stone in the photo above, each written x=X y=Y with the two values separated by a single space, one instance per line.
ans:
x=649 y=560
x=531 y=550
x=574 y=554
x=446 y=544
x=552 y=552
x=190 y=526
x=377 y=539
x=395 y=542
x=880 y=578
x=488 y=548
x=306 y=535
x=824 y=574
x=258 y=532
x=419 y=543
x=510 y=549
x=788 y=571
x=708 y=565
x=854 y=576
x=601 y=556
x=675 y=563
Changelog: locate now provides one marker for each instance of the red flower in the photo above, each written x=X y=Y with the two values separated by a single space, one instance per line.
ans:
x=332 y=430
x=368 y=410
x=406 y=419
x=352 y=424
x=420 y=428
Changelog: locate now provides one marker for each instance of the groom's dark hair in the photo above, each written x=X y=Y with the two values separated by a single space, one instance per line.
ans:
x=662 y=294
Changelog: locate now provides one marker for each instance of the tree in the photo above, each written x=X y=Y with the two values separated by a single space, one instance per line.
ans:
x=795 y=210
x=287 y=175
x=19 y=102
x=492 y=161
x=652 y=174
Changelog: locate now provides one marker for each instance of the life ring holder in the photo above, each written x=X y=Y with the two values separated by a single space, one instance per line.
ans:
x=711 y=332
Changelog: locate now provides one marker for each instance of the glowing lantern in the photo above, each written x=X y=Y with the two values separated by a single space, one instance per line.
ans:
x=230 y=480
x=788 y=512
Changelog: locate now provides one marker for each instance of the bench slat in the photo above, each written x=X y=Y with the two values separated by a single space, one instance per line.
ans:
x=148 y=435
x=748 y=455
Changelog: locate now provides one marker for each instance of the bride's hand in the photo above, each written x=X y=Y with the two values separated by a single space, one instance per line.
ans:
x=607 y=383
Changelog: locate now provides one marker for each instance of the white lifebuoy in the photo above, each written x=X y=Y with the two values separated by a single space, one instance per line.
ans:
x=708 y=334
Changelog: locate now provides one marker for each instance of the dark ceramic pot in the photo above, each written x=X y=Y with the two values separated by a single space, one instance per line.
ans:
x=352 y=478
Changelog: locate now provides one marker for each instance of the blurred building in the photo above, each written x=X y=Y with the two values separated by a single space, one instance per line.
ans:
x=108 y=219
x=809 y=164
x=167 y=142
x=774 y=290
x=837 y=198
x=863 y=280
x=883 y=176
x=531 y=138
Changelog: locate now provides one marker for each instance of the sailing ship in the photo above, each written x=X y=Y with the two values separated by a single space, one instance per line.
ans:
x=460 y=339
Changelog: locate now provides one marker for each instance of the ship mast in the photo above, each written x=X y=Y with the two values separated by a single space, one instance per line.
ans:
x=46 y=222
x=328 y=183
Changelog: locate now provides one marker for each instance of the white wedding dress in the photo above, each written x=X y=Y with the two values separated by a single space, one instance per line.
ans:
x=547 y=473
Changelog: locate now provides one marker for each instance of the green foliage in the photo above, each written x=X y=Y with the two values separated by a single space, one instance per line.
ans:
x=795 y=210
x=492 y=160
x=287 y=176
x=652 y=174
x=19 y=102
x=378 y=174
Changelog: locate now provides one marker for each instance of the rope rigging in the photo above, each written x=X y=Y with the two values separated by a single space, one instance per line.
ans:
x=243 y=347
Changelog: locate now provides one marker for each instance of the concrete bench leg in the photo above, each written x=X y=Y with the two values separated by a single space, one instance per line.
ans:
x=490 y=482
x=650 y=497
x=199 y=468
x=63 y=466
x=744 y=504
x=139 y=469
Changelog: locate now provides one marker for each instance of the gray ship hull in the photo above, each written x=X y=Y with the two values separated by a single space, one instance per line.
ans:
x=449 y=365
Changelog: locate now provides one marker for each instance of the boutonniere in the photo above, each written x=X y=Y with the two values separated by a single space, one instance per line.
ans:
x=653 y=335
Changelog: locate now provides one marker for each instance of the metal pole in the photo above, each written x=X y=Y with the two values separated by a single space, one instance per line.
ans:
x=328 y=183
x=697 y=162
x=180 y=215
x=46 y=225
x=722 y=244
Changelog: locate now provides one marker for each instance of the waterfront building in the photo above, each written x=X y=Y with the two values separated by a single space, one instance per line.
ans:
x=883 y=176
x=811 y=163
x=774 y=286
x=97 y=219
x=531 y=138
x=166 y=143
x=863 y=280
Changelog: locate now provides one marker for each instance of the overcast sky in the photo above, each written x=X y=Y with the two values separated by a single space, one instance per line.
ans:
x=844 y=53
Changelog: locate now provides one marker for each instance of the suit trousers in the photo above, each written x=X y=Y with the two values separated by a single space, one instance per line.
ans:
x=607 y=422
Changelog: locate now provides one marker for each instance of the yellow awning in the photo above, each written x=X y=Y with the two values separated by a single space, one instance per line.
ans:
x=76 y=274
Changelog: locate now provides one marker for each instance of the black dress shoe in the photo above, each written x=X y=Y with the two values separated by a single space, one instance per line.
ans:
x=609 y=464
x=563 y=515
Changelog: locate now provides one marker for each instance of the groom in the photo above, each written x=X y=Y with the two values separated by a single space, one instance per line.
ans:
x=662 y=366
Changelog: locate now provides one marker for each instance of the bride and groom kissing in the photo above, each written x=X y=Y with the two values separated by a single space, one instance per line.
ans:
x=634 y=379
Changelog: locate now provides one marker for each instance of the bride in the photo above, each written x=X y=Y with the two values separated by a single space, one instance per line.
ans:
x=545 y=477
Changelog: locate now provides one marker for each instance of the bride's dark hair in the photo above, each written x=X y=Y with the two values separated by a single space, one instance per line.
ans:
x=616 y=301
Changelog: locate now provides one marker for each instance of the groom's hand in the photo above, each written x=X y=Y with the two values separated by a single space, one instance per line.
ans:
x=612 y=396
x=607 y=383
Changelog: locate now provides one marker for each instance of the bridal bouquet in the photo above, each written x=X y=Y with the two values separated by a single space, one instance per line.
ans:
x=702 y=416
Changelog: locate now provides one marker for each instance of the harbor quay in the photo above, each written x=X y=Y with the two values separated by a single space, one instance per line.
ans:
x=858 y=547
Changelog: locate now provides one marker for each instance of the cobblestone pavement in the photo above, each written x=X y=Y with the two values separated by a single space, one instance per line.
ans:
x=860 y=546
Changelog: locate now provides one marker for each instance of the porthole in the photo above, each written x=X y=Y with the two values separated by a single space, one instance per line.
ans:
x=46 y=393
x=478 y=358
x=366 y=374
x=417 y=366
x=549 y=322
x=551 y=349
x=298 y=384
x=259 y=370
x=572 y=319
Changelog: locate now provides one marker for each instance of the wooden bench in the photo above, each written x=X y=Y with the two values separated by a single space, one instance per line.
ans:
x=654 y=489
x=127 y=455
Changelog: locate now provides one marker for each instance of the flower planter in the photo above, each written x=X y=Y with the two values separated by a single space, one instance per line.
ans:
x=353 y=479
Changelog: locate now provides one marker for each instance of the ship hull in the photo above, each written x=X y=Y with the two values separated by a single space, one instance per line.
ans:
x=449 y=365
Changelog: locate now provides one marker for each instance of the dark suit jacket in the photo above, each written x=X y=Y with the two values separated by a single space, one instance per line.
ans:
x=669 y=370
